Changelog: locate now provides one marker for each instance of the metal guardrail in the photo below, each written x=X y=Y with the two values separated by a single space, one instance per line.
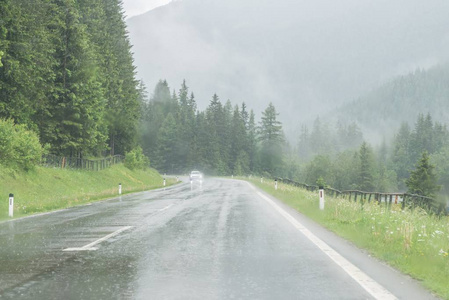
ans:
x=80 y=163
x=404 y=199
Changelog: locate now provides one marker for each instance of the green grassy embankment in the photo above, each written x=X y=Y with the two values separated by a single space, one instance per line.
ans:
x=414 y=242
x=47 y=189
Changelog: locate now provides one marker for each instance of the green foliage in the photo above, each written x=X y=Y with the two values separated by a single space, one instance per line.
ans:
x=45 y=189
x=366 y=168
x=135 y=159
x=323 y=140
x=67 y=73
x=410 y=240
x=423 y=180
x=221 y=140
x=398 y=100
x=271 y=138
x=19 y=147
x=320 y=182
x=319 y=167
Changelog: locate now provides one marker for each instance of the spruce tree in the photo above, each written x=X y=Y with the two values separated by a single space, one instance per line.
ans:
x=166 y=148
x=366 y=168
x=239 y=155
x=76 y=124
x=271 y=138
x=423 y=180
x=252 y=149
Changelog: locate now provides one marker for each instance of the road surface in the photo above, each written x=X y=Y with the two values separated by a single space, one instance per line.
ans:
x=222 y=239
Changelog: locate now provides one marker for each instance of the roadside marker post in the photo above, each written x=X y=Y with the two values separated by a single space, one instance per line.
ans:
x=164 y=182
x=261 y=179
x=275 y=184
x=119 y=188
x=11 y=205
x=321 y=198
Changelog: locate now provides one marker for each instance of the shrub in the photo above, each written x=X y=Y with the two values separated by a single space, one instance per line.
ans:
x=135 y=159
x=19 y=147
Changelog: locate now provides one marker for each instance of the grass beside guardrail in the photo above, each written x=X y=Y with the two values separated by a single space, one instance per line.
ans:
x=47 y=189
x=413 y=241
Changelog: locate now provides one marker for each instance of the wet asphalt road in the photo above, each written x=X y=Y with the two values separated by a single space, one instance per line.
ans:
x=220 y=240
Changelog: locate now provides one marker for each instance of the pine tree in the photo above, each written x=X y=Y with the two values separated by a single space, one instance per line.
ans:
x=271 y=138
x=366 y=171
x=401 y=156
x=304 y=144
x=215 y=119
x=166 y=148
x=76 y=109
x=252 y=149
x=423 y=180
x=26 y=64
x=239 y=156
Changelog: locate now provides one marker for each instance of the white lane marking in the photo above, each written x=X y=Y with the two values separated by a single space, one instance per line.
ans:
x=90 y=247
x=371 y=286
x=165 y=208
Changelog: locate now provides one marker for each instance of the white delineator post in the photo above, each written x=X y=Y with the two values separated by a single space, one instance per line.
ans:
x=321 y=198
x=275 y=184
x=164 y=182
x=11 y=205
x=261 y=179
x=119 y=188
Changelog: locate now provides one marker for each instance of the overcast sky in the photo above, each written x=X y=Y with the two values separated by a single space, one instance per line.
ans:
x=137 y=7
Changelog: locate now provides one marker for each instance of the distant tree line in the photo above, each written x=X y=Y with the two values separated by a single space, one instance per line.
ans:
x=400 y=99
x=221 y=140
x=67 y=74
x=417 y=160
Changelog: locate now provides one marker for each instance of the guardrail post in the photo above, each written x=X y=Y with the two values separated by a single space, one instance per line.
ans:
x=403 y=201
x=11 y=205
x=321 y=188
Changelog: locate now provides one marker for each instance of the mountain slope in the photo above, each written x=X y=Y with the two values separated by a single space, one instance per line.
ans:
x=401 y=100
x=304 y=56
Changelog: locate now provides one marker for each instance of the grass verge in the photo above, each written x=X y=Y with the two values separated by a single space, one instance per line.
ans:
x=414 y=242
x=47 y=189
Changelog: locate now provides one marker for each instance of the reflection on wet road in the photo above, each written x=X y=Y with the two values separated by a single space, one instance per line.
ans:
x=220 y=240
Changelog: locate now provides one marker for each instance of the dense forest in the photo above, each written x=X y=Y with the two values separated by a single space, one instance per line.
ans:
x=222 y=140
x=67 y=74
x=400 y=100
x=386 y=167
x=68 y=87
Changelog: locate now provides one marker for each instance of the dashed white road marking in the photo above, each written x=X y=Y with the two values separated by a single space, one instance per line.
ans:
x=165 y=208
x=90 y=247
x=372 y=287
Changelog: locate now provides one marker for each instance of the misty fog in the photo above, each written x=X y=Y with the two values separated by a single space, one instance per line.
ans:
x=307 y=57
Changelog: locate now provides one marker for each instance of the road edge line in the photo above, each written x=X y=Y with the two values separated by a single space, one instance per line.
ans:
x=367 y=283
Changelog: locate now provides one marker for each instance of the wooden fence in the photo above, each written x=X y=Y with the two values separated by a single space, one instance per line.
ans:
x=80 y=163
x=404 y=199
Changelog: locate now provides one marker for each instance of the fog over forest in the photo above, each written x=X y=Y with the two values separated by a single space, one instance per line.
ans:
x=307 y=57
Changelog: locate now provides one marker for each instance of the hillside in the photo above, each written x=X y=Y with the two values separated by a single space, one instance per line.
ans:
x=46 y=189
x=401 y=100
x=307 y=57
